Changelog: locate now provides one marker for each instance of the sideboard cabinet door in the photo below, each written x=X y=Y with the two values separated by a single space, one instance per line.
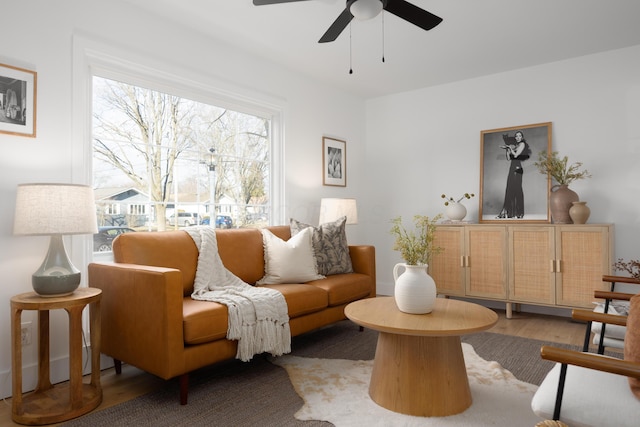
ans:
x=486 y=261
x=532 y=277
x=447 y=267
x=583 y=255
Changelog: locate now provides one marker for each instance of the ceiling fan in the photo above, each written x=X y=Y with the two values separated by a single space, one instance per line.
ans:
x=368 y=9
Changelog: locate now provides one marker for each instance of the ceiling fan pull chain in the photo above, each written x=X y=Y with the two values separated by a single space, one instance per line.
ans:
x=350 y=52
x=383 y=36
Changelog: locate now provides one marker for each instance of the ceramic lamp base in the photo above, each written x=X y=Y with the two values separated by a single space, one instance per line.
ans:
x=57 y=276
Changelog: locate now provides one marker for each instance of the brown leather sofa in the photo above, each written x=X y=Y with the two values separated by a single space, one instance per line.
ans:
x=150 y=321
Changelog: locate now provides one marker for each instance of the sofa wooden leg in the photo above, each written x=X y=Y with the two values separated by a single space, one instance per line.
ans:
x=184 y=388
x=361 y=328
x=117 y=364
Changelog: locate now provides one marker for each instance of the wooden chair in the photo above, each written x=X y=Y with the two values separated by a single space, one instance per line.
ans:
x=616 y=301
x=587 y=389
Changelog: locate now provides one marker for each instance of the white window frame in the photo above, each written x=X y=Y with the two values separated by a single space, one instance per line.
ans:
x=92 y=57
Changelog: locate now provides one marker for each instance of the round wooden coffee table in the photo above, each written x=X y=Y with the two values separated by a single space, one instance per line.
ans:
x=419 y=367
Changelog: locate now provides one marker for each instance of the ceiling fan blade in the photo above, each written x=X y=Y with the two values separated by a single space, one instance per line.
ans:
x=265 y=2
x=336 y=28
x=411 y=13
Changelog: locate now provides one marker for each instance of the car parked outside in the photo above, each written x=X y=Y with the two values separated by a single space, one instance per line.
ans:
x=185 y=219
x=104 y=237
x=224 y=221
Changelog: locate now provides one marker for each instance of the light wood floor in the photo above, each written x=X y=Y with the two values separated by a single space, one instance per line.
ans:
x=133 y=382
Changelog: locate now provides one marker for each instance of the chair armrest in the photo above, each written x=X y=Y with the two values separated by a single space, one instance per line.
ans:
x=591 y=361
x=621 y=279
x=592 y=316
x=613 y=295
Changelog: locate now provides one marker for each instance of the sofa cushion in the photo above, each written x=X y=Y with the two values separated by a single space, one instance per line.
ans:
x=173 y=249
x=203 y=321
x=632 y=341
x=290 y=261
x=241 y=252
x=344 y=288
x=581 y=386
x=301 y=298
x=329 y=245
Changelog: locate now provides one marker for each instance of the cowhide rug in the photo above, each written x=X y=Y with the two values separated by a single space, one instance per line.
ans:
x=336 y=390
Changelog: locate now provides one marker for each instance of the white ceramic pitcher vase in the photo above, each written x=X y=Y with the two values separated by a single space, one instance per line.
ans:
x=415 y=290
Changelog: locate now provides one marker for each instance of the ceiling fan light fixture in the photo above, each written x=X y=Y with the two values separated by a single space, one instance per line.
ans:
x=365 y=9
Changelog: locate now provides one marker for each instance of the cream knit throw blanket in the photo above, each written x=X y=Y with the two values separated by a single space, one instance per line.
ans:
x=258 y=317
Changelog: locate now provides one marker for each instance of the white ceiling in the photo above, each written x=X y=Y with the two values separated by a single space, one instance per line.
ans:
x=476 y=38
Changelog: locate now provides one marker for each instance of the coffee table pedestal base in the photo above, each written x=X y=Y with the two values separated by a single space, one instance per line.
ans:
x=409 y=373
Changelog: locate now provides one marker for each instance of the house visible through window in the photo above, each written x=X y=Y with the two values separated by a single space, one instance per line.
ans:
x=163 y=162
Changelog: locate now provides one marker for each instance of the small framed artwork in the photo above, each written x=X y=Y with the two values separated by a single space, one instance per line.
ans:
x=334 y=162
x=511 y=188
x=17 y=101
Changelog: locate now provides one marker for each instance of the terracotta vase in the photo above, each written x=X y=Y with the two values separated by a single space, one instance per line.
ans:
x=415 y=290
x=455 y=211
x=560 y=202
x=579 y=212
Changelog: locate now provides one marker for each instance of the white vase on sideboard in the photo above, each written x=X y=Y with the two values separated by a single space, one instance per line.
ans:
x=455 y=211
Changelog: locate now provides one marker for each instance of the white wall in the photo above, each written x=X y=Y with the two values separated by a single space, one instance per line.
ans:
x=43 y=36
x=424 y=143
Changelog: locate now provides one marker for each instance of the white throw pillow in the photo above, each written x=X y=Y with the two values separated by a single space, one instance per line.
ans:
x=290 y=261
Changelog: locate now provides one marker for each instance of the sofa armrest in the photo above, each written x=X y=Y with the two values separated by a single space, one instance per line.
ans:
x=141 y=315
x=363 y=259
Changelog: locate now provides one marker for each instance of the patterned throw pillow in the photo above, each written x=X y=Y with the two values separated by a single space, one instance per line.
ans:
x=632 y=340
x=329 y=244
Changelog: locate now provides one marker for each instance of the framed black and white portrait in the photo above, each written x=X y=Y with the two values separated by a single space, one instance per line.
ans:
x=334 y=162
x=17 y=101
x=511 y=188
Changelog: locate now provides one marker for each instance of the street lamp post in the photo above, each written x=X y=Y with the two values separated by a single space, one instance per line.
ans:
x=211 y=164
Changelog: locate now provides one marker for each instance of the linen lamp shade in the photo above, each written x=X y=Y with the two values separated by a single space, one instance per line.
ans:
x=332 y=209
x=55 y=210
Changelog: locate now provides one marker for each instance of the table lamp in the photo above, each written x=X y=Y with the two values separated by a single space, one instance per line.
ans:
x=333 y=209
x=55 y=210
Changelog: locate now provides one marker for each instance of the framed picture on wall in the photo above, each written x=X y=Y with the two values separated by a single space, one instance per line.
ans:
x=334 y=162
x=17 y=101
x=511 y=188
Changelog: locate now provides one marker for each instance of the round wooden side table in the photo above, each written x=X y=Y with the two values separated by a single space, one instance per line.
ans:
x=53 y=403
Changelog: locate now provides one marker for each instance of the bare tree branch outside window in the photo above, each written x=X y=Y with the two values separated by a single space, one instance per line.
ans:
x=179 y=154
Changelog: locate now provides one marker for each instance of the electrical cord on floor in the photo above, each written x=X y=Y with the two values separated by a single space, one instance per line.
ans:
x=4 y=399
x=86 y=352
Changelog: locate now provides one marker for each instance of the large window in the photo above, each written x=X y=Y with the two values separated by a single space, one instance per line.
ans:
x=162 y=161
